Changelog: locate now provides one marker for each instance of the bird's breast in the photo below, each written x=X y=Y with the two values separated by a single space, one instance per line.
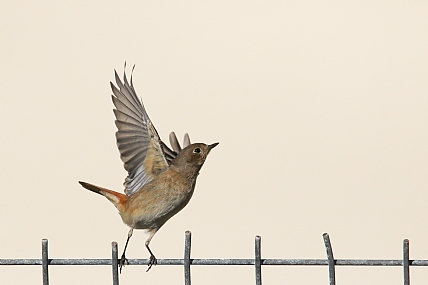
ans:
x=158 y=201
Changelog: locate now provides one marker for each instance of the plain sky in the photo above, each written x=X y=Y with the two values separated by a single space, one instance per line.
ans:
x=320 y=108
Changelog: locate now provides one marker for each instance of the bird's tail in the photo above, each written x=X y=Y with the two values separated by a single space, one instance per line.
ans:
x=118 y=199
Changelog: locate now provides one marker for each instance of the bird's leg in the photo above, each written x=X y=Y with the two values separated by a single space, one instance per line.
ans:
x=153 y=260
x=123 y=259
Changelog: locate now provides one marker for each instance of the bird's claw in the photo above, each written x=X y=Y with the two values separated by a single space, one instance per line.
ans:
x=122 y=262
x=153 y=261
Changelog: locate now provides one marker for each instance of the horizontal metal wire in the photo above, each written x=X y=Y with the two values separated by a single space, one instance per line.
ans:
x=338 y=262
x=257 y=261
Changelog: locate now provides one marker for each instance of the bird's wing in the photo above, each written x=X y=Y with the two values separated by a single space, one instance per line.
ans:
x=175 y=144
x=143 y=153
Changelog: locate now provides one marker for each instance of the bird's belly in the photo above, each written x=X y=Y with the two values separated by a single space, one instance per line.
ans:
x=152 y=211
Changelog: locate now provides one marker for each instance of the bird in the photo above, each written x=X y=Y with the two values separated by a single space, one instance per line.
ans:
x=160 y=180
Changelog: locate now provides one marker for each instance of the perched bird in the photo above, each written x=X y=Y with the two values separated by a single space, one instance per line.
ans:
x=160 y=180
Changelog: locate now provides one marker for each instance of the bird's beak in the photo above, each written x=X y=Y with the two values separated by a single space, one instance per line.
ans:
x=211 y=146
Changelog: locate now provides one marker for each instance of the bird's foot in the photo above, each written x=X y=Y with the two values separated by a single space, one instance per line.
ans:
x=153 y=261
x=122 y=262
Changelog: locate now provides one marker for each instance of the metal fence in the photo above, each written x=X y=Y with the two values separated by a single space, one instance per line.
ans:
x=257 y=262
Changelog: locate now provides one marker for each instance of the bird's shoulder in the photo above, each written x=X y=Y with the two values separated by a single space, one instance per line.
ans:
x=168 y=181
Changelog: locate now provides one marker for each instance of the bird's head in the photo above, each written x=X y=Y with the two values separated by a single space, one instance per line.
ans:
x=192 y=157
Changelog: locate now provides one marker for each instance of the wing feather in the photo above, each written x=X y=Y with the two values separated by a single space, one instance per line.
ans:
x=125 y=103
x=140 y=147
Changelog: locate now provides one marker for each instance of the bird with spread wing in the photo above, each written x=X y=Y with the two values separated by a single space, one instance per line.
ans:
x=160 y=180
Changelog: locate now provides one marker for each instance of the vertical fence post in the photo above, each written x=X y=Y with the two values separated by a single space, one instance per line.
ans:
x=114 y=263
x=187 y=246
x=45 y=262
x=258 y=260
x=331 y=262
x=406 y=262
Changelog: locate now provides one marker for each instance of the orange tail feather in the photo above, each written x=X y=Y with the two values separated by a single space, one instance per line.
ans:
x=118 y=199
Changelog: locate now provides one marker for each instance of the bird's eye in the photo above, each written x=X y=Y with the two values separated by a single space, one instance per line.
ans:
x=197 y=150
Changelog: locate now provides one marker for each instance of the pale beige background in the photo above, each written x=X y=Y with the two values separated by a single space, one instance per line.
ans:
x=320 y=108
